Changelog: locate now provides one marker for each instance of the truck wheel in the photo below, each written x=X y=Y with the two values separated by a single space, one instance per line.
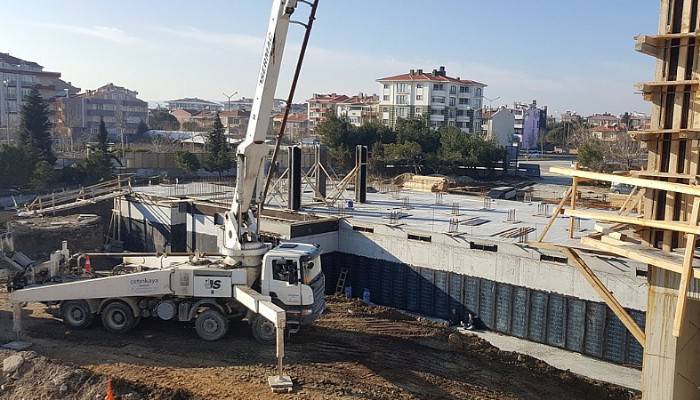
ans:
x=76 y=314
x=117 y=317
x=211 y=325
x=264 y=331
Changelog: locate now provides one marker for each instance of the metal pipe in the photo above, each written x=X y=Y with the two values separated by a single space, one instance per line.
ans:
x=290 y=99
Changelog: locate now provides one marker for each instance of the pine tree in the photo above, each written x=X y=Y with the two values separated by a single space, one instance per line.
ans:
x=219 y=159
x=99 y=165
x=35 y=135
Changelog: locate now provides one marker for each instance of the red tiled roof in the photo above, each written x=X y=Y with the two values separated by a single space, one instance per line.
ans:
x=293 y=117
x=428 y=77
x=328 y=98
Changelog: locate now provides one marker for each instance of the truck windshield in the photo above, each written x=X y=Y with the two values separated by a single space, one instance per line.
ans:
x=311 y=269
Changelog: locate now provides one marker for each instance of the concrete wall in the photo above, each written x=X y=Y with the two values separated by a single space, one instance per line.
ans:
x=511 y=263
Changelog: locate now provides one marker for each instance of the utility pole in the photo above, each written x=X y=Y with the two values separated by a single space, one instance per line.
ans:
x=228 y=108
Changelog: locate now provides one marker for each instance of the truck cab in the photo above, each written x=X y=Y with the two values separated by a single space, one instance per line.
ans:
x=292 y=277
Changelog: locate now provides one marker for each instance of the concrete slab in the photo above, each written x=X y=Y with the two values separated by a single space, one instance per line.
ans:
x=280 y=383
x=566 y=360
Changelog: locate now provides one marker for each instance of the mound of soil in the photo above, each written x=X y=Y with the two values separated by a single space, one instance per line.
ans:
x=27 y=375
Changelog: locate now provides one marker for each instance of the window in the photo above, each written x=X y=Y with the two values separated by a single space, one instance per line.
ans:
x=362 y=229
x=402 y=88
x=560 y=260
x=419 y=97
x=453 y=101
x=386 y=86
x=420 y=238
x=281 y=269
x=460 y=113
x=437 y=99
x=386 y=97
x=402 y=99
x=484 y=247
x=464 y=89
x=438 y=86
x=402 y=112
x=453 y=89
x=419 y=86
x=478 y=91
x=463 y=101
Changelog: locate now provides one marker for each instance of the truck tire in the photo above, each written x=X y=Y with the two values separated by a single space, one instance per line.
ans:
x=117 y=317
x=211 y=325
x=76 y=314
x=264 y=331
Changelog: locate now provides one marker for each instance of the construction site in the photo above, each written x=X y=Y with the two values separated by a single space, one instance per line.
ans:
x=293 y=281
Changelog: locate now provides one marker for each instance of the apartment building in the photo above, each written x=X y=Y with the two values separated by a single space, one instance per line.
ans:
x=17 y=78
x=570 y=117
x=297 y=127
x=360 y=109
x=499 y=126
x=194 y=104
x=530 y=123
x=605 y=119
x=444 y=100
x=321 y=106
x=78 y=117
x=235 y=122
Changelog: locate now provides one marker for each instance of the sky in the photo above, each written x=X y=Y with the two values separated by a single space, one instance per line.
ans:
x=569 y=55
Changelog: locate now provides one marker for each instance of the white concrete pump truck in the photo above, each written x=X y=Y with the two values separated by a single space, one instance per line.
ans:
x=273 y=288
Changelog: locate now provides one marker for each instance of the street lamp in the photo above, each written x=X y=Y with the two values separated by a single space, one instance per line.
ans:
x=228 y=108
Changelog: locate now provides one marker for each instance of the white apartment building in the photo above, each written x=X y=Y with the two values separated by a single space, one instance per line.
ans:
x=444 y=100
x=360 y=109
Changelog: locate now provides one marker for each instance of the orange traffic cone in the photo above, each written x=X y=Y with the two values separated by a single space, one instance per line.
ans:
x=110 y=390
x=88 y=265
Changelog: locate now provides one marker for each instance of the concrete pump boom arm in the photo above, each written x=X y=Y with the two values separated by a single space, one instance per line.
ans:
x=240 y=224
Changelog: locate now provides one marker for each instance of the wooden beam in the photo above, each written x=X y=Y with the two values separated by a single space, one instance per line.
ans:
x=629 y=180
x=676 y=134
x=638 y=221
x=650 y=87
x=574 y=192
x=607 y=296
x=652 y=44
x=555 y=214
x=643 y=254
x=633 y=192
x=686 y=272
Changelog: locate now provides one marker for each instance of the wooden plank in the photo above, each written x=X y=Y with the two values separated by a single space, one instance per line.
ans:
x=555 y=215
x=607 y=296
x=638 y=221
x=632 y=193
x=643 y=254
x=686 y=273
x=629 y=180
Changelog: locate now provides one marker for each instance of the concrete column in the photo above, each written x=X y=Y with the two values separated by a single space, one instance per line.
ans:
x=361 y=177
x=321 y=156
x=294 y=179
x=671 y=369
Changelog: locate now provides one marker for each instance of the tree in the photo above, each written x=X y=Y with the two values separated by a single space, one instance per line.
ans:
x=42 y=175
x=142 y=128
x=187 y=161
x=192 y=126
x=591 y=155
x=35 y=136
x=219 y=159
x=15 y=167
x=408 y=152
x=162 y=121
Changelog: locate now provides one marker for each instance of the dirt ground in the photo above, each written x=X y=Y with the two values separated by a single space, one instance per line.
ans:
x=353 y=352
